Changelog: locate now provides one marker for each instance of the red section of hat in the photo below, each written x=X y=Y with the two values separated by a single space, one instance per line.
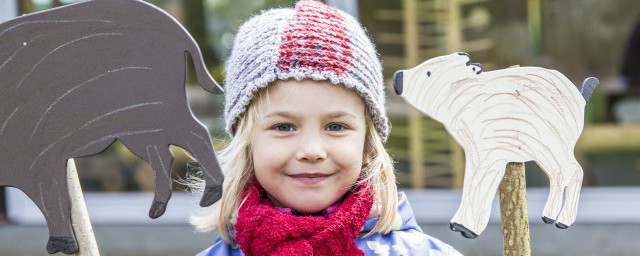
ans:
x=316 y=39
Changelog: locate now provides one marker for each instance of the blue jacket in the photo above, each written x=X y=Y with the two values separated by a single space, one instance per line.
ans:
x=406 y=238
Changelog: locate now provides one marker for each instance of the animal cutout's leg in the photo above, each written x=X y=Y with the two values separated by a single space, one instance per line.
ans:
x=160 y=158
x=572 y=194
x=479 y=189
x=196 y=141
x=556 y=187
x=51 y=195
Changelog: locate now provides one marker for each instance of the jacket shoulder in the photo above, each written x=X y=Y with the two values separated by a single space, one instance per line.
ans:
x=221 y=248
x=405 y=242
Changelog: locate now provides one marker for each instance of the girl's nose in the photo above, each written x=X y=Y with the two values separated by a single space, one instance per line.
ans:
x=311 y=149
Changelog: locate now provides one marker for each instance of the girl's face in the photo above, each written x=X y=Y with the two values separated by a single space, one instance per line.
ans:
x=308 y=143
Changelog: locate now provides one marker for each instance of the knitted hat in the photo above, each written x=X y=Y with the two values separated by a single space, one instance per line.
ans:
x=312 y=41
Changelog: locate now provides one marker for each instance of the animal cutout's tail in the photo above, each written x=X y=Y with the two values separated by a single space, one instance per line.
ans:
x=588 y=86
x=204 y=78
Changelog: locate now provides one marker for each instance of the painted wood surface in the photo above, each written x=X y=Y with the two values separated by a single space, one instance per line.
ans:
x=510 y=115
x=76 y=78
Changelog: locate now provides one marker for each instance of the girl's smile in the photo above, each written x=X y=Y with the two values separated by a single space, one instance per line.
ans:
x=307 y=147
x=310 y=178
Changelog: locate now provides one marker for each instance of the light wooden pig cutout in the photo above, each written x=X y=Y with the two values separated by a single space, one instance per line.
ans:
x=510 y=115
x=76 y=78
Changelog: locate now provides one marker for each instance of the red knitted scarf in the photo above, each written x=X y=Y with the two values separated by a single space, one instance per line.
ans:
x=262 y=230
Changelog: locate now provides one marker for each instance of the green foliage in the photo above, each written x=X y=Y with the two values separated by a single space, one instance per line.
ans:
x=596 y=109
x=224 y=17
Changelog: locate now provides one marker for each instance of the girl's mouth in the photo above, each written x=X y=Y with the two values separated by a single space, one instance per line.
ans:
x=309 y=178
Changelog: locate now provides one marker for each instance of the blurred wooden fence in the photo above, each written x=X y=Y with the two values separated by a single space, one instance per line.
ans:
x=431 y=28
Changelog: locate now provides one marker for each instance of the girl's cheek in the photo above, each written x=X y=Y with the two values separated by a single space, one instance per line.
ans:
x=350 y=153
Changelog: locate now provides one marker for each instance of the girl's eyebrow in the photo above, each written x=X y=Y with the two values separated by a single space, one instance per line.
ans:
x=338 y=114
x=285 y=114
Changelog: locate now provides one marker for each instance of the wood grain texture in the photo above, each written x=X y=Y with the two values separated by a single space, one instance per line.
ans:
x=513 y=212
x=512 y=115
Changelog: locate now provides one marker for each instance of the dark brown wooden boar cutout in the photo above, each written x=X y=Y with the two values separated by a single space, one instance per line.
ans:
x=76 y=78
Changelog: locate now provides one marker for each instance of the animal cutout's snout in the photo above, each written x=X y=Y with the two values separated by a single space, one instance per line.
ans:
x=397 y=82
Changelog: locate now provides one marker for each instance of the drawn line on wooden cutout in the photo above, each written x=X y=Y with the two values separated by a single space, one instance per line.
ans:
x=58 y=48
x=17 y=51
x=463 y=85
x=115 y=136
x=205 y=143
x=44 y=209
x=51 y=145
x=536 y=139
x=78 y=86
x=201 y=166
x=472 y=158
x=52 y=21
x=150 y=161
x=199 y=137
x=467 y=102
x=547 y=165
x=551 y=100
x=164 y=169
x=490 y=121
x=119 y=110
x=489 y=167
x=4 y=124
x=48 y=147
x=57 y=186
x=563 y=100
x=560 y=92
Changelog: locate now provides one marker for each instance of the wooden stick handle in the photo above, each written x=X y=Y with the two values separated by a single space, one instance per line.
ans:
x=79 y=215
x=513 y=211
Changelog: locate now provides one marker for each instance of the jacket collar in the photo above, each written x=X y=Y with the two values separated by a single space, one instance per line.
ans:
x=404 y=219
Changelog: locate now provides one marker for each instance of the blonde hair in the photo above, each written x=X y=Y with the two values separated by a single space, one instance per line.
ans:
x=235 y=160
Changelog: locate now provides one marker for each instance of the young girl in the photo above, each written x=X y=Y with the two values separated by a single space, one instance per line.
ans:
x=306 y=172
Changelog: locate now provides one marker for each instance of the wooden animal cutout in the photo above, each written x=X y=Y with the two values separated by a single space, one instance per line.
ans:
x=509 y=115
x=76 y=78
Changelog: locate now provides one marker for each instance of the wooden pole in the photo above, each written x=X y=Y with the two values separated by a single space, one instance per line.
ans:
x=79 y=215
x=513 y=212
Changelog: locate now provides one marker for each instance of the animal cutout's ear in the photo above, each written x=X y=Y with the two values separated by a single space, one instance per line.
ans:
x=76 y=78
x=475 y=67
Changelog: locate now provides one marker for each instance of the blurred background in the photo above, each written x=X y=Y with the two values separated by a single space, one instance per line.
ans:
x=579 y=38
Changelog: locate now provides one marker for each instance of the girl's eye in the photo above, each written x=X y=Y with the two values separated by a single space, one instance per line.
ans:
x=284 y=127
x=335 y=127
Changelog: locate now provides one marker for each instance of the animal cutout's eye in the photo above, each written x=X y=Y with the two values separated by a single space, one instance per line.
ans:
x=476 y=67
x=428 y=73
